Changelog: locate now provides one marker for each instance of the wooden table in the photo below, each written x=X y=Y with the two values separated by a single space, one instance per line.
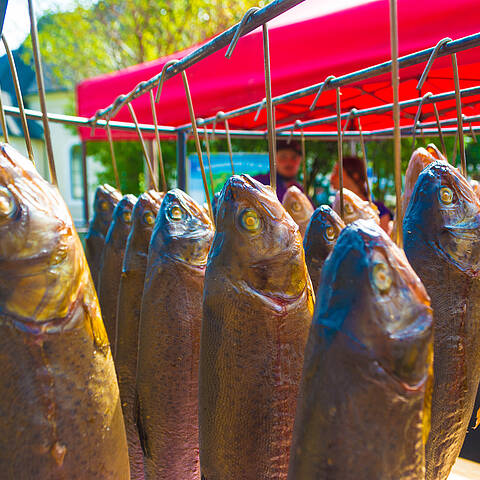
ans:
x=465 y=470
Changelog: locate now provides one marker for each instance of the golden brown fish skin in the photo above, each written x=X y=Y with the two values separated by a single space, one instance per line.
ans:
x=299 y=207
x=320 y=238
x=60 y=408
x=111 y=264
x=355 y=208
x=169 y=339
x=128 y=317
x=360 y=412
x=258 y=305
x=441 y=232
x=106 y=199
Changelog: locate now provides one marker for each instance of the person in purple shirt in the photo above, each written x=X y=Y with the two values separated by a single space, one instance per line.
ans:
x=288 y=159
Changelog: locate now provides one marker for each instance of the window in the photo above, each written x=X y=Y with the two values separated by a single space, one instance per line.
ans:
x=76 y=172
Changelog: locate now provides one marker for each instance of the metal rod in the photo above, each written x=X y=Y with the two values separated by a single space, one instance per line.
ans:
x=257 y=19
x=207 y=147
x=197 y=142
x=162 y=79
x=432 y=58
x=85 y=182
x=455 y=145
x=3 y=119
x=320 y=90
x=417 y=117
x=415 y=58
x=112 y=155
x=440 y=133
x=365 y=164
x=181 y=160
x=269 y=107
x=41 y=93
x=463 y=159
x=229 y=145
x=238 y=32
x=18 y=93
x=144 y=148
x=474 y=137
x=340 y=154
x=304 y=161
x=159 y=146
x=397 y=146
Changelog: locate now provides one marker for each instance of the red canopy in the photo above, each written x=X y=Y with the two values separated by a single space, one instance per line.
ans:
x=307 y=43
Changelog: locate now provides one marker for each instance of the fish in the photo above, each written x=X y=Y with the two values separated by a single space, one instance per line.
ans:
x=441 y=234
x=355 y=208
x=215 y=204
x=362 y=410
x=60 y=409
x=257 y=310
x=169 y=339
x=111 y=264
x=106 y=199
x=128 y=317
x=299 y=207
x=320 y=237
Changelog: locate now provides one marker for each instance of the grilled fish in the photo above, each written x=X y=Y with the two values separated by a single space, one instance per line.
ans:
x=355 y=208
x=320 y=237
x=169 y=339
x=60 y=409
x=362 y=411
x=258 y=305
x=299 y=207
x=106 y=199
x=441 y=232
x=111 y=264
x=128 y=317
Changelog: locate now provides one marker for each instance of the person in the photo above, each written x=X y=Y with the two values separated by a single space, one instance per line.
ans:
x=288 y=161
x=355 y=180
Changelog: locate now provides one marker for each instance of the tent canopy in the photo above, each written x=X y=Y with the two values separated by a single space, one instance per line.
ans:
x=307 y=43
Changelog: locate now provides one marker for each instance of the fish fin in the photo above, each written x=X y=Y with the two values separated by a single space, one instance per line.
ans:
x=477 y=420
x=142 y=435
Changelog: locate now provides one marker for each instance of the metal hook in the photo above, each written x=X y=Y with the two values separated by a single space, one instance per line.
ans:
x=440 y=133
x=297 y=124
x=238 y=32
x=340 y=153
x=18 y=93
x=432 y=58
x=417 y=117
x=3 y=119
x=159 y=146
x=320 y=90
x=112 y=154
x=197 y=141
x=144 y=148
x=260 y=108
x=472 y=133
x=207 y=147
x=304 y=157
x=161 y=80
x=458 y=102
x=221 y=116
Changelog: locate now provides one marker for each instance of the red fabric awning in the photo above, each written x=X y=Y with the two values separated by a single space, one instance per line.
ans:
x=307 y=43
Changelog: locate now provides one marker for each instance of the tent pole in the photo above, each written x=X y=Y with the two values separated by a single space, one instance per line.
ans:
x=181 y=160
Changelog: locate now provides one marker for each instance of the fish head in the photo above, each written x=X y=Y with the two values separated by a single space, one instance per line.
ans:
x=258 y=240
x=145 y=211
x=355 y=208
x=183 y=230
x=433 y=150
x=370 y=293
x=121 y=222
x=106 y=199
x=42 y=265
x=322 y=232
x=444 y=213
x=297 y=205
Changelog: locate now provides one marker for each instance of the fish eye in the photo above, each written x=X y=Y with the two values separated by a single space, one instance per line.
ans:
x=250 y=220
x=446 y=195
x=127 y=216
x=296 y=207
x=104 y=206
x=348 y=208
x=148 y=218
x=7 y=203
x=330 y=233
x=381 y=277
x=176 y=213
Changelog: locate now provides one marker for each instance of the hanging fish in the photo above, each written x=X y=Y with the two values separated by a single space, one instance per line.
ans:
x=441 y=232
x=355 y=208
x=60 y=409
x=258 y=305
x=111 y=264
x=106 y=199
x=215 y=199
x=320 y=237
x=128 y=317
x=362 y=410
x=298 y=205
x=169 y=339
